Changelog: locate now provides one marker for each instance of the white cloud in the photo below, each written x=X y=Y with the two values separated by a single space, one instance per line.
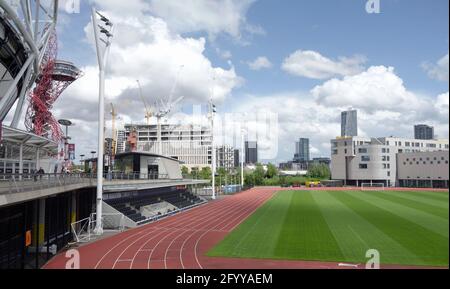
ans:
x=143 y=48
x=442 y=104
x=378 y=88
x=312 y=64
x=225 y=54
x=259 y=63
x=212 y=17
x=438 y=71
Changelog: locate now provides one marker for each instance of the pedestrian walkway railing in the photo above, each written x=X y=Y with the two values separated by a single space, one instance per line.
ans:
x=21 y=183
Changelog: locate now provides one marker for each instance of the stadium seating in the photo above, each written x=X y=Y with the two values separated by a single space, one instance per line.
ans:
x=131 y=206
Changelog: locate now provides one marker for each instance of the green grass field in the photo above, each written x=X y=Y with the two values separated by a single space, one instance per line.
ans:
x=407 y=228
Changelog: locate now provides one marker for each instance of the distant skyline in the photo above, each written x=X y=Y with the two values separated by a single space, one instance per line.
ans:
x=304 y=61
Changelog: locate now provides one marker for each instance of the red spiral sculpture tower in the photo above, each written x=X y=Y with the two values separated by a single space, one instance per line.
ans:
x=55 y=77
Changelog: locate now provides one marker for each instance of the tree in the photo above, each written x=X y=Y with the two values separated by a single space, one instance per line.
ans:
x=184 y=171
x=319 y=171
x=205 y=173
x=272 y=171
x=259 y=175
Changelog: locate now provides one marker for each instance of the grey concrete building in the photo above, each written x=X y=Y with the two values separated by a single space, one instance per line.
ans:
x=423 y=131
x=423 y=169
x=357 y=160
x=349 y=123
x=302 y=152
x=251 y=152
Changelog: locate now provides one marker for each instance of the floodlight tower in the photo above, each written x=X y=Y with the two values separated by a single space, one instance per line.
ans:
x=243 y=133
x=102 y=37
x=28 y=28
x=211 y=116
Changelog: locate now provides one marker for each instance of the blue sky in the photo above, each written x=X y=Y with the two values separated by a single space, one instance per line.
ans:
x=409 y=35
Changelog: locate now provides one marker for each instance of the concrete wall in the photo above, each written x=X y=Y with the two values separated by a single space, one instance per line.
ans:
x=423 y=166
x=165 y=166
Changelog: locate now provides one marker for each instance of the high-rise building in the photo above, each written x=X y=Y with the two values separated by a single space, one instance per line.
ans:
x=237 y=159
x=302 y=150
x=225 y=157
x=251 y=152
x=349 y=123
x=423 y=132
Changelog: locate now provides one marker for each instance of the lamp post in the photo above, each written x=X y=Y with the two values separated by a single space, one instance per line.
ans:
x=102 y=37
x=243 y=133
x=82 y=162
x=66 y=123
x=212 y=113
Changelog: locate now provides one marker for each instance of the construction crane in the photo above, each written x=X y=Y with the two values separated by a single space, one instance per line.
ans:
x=148 y=112
x=165 y=107
x=113 y=129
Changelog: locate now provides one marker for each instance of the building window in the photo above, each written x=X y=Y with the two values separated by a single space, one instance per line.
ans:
x=365 y=158
x=362 y=151
x=363 y=166
x=388 y=173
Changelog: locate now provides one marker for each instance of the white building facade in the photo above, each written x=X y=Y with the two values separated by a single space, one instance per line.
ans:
x=357 y=160
x=189 y=144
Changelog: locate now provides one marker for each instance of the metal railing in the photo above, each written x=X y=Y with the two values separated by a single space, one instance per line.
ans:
x=113 y=176
x=21 y=183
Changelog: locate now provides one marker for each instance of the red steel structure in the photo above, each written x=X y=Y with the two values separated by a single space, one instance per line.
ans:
x=55 y=77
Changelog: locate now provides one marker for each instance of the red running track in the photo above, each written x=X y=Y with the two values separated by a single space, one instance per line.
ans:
x=181 y=241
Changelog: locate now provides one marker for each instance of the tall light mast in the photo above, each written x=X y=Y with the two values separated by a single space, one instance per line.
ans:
x=102 y=55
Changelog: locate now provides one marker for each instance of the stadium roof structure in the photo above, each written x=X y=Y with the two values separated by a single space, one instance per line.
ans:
x=31 y=142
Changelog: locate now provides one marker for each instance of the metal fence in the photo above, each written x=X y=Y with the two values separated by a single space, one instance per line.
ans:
x=20 y=183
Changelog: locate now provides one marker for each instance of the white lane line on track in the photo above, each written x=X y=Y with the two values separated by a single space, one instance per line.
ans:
x=201 y=237
x=237 y=199
x=184 y=220
x=223 y=211
x=238 y=209
x=173 y=220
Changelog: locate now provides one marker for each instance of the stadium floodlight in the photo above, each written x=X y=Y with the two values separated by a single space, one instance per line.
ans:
x=212 y=114
x=243 y=134
x=102 y=55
